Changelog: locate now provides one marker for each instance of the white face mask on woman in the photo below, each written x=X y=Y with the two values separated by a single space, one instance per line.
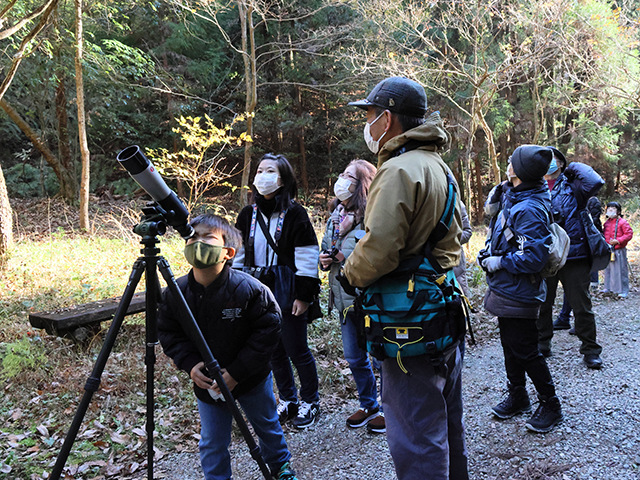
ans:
x=266 y=183
x=341 y=189
x=374 y=145
x=612 y=212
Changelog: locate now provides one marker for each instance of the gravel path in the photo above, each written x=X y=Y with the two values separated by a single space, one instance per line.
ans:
x=599 y=438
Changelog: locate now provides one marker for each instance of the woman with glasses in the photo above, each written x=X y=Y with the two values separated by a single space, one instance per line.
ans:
x=351 y=189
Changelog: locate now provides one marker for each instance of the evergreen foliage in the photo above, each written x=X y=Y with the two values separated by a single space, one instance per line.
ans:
x=502 y=73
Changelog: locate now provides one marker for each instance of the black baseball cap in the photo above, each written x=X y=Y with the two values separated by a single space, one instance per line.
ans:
x=398 y=95
x=559 y=156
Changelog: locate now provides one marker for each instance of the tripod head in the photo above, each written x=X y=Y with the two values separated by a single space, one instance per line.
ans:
x=152 y=222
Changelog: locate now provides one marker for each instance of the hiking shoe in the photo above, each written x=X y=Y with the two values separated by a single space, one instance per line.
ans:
x=546 y=352
x=548 y=415
x=286 y=411
x=285 y=473
x=362 y=417
x=307 y=414
x=377 y=425
x=516 y=402
x=593 y=360
x=561 y=324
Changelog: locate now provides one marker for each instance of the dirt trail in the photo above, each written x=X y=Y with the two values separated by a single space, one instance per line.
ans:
x=599 y=438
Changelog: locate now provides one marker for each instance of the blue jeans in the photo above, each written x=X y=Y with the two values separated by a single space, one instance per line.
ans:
x=425 y=430
x=359 y=364
x=259 y=405
x=293 y=348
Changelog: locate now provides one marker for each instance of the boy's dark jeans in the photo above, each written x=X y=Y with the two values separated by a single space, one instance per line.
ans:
x=293 y=348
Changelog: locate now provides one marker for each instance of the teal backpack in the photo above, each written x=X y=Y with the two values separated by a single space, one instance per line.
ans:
x=419 y=308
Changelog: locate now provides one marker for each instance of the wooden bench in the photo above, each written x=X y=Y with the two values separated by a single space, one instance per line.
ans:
x=78 y=321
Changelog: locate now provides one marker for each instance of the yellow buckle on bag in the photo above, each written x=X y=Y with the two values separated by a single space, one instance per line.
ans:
x=402 y=333
x=367 y=321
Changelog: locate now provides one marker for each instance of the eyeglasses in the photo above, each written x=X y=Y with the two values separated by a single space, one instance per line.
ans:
x=348 y=177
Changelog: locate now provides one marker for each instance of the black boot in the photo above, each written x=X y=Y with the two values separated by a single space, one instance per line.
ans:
x=516 y=402
x=547 y=416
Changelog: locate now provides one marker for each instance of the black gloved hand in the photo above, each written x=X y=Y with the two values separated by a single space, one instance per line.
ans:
x=496 y=193
x=346 y=286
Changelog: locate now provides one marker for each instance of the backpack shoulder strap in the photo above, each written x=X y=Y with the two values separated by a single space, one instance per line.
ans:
x=439 y=232
x=444 y=224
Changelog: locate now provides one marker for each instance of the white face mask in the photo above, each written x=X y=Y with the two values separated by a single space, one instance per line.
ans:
x=374 y=145
x=266 y=183
x=341 y=189
x=612 y=212
x=510 y=174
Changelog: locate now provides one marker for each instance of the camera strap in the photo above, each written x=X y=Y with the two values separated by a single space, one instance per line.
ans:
x=273 y=244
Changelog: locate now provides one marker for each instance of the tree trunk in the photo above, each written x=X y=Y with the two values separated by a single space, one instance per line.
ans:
x=491 y=147
x=64 y=150
x=82 y=124
x=328 y=146
x=26 y=41
x=245 y=9
x=66 y=178
x=479 y=193
x=6 y=223
x=301 y=145
x=466 y=167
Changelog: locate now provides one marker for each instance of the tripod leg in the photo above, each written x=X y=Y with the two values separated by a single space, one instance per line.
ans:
x=93 y=382
x=193 y=330
x=471 y=335
x=151 y=328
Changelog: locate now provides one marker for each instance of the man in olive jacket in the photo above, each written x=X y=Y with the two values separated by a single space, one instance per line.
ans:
x=407 y=197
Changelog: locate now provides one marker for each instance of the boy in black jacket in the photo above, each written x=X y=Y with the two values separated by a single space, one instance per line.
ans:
x=240 y=321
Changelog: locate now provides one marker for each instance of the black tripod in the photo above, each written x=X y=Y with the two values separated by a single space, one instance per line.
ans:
x=149 y=228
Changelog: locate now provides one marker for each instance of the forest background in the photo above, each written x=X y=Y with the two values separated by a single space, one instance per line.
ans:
x=206 y=87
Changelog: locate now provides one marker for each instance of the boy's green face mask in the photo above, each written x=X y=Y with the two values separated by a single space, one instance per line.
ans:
x=203 y=255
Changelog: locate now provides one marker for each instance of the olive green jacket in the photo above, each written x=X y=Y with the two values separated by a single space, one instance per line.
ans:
x=406 y=200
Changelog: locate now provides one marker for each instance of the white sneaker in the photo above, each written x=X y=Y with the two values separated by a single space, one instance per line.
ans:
x=307 y=414
x=286 y=411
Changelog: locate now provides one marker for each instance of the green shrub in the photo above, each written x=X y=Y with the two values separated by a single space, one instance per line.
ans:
x=26 y=181
x=24 y=354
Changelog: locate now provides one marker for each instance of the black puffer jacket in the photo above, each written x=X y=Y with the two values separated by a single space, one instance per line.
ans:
x=569 y=196
x=239 y=319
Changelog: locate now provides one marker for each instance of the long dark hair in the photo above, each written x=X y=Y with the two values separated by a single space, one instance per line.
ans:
x=289 y=189
x=365 y=172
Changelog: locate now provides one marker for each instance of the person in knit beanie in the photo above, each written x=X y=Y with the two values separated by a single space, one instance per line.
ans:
x=516 y=251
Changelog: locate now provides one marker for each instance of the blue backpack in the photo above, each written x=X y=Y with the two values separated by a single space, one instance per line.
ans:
x=419 y=308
